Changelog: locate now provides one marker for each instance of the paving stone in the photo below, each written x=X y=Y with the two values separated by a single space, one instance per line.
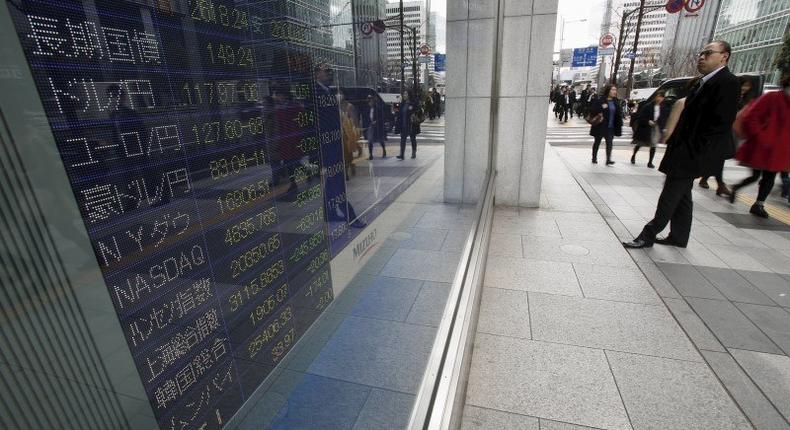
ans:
x=615 y=283
x=335 y=404
x=508 y=245
x=504 y=312
x=638 y=328
x=772 y=259
x=657 y=279
x=558 y=382
x=417 y=238
x=388 y=298
x=385 y=410
x=730 y=326
x=476 y=418
x=426 y=265
x=576 y=251
x=556 y=425
x=698 y=254
x=430 y=304
x=376 y=353
x=774 y=321
x=669 y=394
x=532 y=275
x=736 y=258
x=734 y=286
x=666 y=254
x=776 y=287
x=693 y=326
x=689 y=282
x=771 y=373
x=754 y=404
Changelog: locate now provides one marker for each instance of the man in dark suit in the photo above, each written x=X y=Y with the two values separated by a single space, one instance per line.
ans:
x=564 y=101
x=700 y=137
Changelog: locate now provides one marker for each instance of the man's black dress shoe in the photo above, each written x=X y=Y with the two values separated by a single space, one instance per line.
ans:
x=669 y=242
x=638 y=244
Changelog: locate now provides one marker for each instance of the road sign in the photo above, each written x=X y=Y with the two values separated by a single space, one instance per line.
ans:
x=379 y=26
x=438 y=62
x=366 y=28
x=675 y=6
x=424 y=59
x=425 y=49
x=630 y=55
x=606 y=40
x=585 y=57
x=694 y=5
x=606 y=51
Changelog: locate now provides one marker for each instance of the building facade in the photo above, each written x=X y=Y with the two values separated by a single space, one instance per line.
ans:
x=414 y=16
x=371 y=47
x=685 y=34
x=755 y=29
x=651 y=37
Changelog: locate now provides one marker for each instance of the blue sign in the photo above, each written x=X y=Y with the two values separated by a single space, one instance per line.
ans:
x=585 y=57
x=630 y=55
x=438 y=62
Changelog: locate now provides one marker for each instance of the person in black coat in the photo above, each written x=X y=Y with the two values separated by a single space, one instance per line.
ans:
x=651 y=119
x=612 y=125
x=373 y=126
x=698 y=143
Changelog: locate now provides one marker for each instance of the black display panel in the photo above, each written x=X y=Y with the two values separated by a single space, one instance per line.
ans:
x=203 y=147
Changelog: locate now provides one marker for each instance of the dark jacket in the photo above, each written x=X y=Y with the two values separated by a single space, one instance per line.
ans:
x=601 y=105
x=643 y=131
x=374 y=130
x=703 y=135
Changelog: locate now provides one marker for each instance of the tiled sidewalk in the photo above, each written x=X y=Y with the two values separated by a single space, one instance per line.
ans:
x=576 y=333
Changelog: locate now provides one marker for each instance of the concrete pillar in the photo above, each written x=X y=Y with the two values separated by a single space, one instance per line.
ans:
x=521 y=33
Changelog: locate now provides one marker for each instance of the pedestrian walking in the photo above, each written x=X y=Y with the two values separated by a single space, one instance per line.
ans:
x=373 y=126
x=410 y=118
x=695 y=146
x=650 y=122
x=766 y=127
x=747 y=96
x=606 y=122
x=565 y=104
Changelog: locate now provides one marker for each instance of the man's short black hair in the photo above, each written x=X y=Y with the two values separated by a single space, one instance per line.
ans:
x=725 y=47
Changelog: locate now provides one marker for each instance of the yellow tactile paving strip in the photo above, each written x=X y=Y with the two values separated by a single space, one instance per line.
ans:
x=777 y=212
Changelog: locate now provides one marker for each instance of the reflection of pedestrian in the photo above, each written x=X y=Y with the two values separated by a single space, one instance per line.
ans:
x=437 y=103
x=373 y=124
x=694 y=148
x=650 y=121
x=410 y=118
x=611 y=125
x=766 y=150
x=350 y=137
x=287 y=134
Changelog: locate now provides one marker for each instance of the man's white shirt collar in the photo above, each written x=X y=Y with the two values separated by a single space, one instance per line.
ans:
x=707 y=77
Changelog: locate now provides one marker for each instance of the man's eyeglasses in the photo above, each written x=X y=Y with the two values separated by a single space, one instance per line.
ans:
x=707 y=53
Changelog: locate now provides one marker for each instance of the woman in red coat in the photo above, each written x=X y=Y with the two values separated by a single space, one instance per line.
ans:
x=767 y=146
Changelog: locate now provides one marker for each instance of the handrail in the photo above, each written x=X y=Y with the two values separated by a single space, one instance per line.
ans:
x=437 y=397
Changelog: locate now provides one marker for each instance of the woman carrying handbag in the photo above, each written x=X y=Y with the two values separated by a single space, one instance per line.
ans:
x=606 y=122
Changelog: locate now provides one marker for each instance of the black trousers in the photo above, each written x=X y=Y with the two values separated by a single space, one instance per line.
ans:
x=674 y=208
x=413 y=137
x=766 y=183
x=609 y=138
x=564 y=113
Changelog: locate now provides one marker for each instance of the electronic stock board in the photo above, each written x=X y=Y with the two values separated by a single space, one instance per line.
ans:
x=203 y=148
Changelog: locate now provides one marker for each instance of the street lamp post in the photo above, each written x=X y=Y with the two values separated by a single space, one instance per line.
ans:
x=562 y=39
